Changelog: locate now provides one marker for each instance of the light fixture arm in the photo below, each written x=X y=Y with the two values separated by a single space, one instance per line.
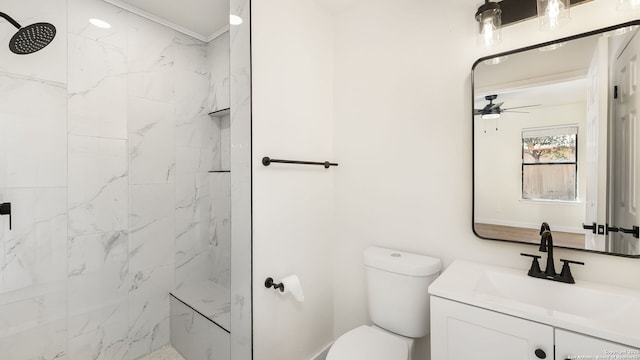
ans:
x=486 y=7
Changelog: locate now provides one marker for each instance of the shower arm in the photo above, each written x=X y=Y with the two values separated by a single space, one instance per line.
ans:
x=9 y=19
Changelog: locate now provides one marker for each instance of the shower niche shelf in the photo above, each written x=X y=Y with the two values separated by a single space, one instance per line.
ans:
x=222 y=135
x=220 y=113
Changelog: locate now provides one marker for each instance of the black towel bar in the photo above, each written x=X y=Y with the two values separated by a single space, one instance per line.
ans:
x=266 y=161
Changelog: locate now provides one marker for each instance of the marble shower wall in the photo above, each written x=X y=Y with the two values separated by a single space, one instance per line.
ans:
x=33 y=177
x=220 y=182
x=105 y=147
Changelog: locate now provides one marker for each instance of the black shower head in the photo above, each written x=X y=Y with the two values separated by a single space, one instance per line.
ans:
x=31 y=38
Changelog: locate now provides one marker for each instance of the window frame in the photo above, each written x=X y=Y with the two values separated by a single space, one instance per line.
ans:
x=574 y=162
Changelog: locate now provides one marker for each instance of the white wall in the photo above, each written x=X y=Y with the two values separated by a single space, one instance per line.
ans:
x=292 y=205
x=402 y=93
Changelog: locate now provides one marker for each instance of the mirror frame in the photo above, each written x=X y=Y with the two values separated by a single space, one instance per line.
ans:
x=473 y=139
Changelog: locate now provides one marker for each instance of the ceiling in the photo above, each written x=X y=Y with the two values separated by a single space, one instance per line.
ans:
x=336 y=6
x=202 y=19
x=560 y=93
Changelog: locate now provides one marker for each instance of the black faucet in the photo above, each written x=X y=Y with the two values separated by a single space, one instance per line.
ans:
x=544 y=227
x=546 y=245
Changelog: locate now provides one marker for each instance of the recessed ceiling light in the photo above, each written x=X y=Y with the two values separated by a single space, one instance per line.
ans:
x=100 y=23
x=235 y=20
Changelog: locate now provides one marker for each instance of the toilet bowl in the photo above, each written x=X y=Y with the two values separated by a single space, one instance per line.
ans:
x=398 y=305
x=370 y=343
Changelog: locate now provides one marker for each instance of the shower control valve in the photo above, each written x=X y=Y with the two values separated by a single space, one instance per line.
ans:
x=5 y=209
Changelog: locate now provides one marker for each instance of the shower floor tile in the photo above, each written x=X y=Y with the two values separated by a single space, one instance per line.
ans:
x=165 y=353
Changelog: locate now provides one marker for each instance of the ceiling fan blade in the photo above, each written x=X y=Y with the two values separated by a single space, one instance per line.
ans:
x=521 y=107
x=495 y=106
x=519 y=112
x=477 y=111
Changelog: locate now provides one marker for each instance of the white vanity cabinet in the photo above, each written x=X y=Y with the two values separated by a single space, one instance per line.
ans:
x=461 y=332
x=570 y=345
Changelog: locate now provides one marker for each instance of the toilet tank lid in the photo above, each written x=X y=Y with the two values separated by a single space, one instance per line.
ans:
x=401 y=262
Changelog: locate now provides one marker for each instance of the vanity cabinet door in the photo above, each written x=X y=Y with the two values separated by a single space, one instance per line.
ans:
x=570 y=345
x=463 y=332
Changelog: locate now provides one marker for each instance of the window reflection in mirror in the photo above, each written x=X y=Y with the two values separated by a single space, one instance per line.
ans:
x=551 y=144
x=549 y=163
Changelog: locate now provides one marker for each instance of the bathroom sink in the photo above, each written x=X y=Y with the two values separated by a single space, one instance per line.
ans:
x=586 y=307
x=550 y=296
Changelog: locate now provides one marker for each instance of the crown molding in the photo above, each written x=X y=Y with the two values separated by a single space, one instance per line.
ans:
x=130 y=8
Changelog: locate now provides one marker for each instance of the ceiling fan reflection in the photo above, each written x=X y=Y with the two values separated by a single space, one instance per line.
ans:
x=493 y=110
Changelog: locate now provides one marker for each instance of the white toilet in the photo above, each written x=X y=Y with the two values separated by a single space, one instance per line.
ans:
x=397 y=285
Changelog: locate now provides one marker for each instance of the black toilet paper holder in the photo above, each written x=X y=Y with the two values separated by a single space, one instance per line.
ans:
x=270 y=283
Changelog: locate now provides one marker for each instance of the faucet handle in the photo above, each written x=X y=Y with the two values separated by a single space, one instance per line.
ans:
x=535 y=265
x=565 y=274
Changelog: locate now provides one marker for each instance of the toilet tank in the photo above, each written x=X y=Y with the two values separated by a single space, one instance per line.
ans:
x=397 y=285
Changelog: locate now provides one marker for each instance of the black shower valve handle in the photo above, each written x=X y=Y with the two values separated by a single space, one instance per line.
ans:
x=5 y=209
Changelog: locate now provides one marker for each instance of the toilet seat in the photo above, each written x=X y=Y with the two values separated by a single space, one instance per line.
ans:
x=369 y=343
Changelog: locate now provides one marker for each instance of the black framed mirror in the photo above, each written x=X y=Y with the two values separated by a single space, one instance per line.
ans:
x=555 y=140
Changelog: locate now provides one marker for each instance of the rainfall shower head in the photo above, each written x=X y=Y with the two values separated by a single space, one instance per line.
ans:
x=31 y=38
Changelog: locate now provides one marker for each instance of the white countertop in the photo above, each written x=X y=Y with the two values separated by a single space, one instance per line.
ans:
x=603 y=311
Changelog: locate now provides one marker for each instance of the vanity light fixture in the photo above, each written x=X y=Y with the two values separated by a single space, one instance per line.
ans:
x=489 y=21
x=553 y=13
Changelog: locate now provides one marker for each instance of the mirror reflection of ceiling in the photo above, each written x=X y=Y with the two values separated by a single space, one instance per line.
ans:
x=548 y=78
x=336 y=6
x=203 y=19
x=570 y=60
x=563 y=92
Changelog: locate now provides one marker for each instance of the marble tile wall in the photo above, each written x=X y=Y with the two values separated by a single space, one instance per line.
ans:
x=220 y=228
x=220 y=182
x=195 y=337
x=33 y=177
x=218 y=58
x=105 y=148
